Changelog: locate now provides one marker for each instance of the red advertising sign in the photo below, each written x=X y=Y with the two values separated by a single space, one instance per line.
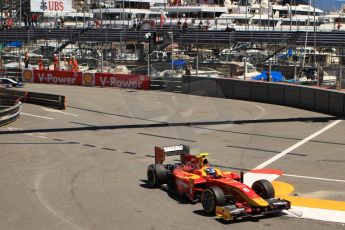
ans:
x=135 y=81
x=57 y=77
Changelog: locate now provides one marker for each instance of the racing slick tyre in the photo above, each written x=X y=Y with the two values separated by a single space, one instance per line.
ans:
x=264 y=189
x=212 y=197
x=156 y=175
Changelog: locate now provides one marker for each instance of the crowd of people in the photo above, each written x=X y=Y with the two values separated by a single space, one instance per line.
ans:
x=69 y=65
x=6 y=23
x=30 y=20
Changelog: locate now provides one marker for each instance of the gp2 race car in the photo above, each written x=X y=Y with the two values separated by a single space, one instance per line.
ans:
x=221 y=193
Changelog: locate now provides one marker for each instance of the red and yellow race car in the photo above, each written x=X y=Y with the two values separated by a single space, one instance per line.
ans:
x=221 y=193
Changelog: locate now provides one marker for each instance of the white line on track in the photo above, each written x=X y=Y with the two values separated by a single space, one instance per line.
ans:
x=298 y=144
x=42 y=137
x=11 y=128
x=46 y=204
x=58 y=111
x=32 y=115
x=314 y=178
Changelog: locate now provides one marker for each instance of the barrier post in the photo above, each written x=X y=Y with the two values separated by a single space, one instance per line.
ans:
x=339 y=78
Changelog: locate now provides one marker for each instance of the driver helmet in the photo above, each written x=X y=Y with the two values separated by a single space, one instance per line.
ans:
x=210 y=171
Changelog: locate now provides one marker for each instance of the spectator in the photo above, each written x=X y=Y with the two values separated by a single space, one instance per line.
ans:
x=40 y=63
x=26 y=19
x=51 y=25
x=56 y=62
x=26 y=60
x=188 y=69
x=185 y=26
x=64 y=61
x=62 y=20
x=4 y=24
x=58 y=23
x=75 y=64
x=268 y=75
x=140 y=23
x=135 y=23
x=97 y=23
x=29 y=20
x=200 y=26
x=70 y=62
x=207 y=25
x=338 y=24
x=228 y=29
x=9 y=22
x=34 y=19
x=179 y=24
x=1 y=65
x=321 y=75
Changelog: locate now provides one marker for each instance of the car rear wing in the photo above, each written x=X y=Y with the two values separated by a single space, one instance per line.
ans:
x=161 y=152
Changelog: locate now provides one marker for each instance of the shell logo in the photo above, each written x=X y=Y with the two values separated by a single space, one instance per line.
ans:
x=27 y=75
x=88 y=78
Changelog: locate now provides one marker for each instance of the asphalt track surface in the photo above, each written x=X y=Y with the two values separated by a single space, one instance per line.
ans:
x=85 y=168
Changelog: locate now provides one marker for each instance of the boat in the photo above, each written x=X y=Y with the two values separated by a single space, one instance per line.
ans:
x=122 y=14
x=334 y=21
x=267 y=15
x=242 y=70
x=309 y=76
x=176 y=14
x=71 y=20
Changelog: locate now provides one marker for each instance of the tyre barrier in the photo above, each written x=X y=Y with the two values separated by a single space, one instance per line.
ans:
x=9 y=111
x=47 y=100
x=44 y=99
x=304 y=97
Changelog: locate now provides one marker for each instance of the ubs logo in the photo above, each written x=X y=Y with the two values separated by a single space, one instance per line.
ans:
x=43 y=5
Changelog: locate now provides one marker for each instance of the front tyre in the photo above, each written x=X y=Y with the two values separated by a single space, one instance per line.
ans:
x=212 y=197
x=264 y=189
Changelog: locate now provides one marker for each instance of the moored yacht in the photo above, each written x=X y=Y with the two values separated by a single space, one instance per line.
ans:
x=195 y=15
x=122 y=14
x=271 y=15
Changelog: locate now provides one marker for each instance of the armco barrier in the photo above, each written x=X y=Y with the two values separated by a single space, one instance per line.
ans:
x=9 y=111
x=304 y=97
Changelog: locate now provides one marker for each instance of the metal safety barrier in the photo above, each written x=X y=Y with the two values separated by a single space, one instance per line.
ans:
x=9 y=111
x=309 y=98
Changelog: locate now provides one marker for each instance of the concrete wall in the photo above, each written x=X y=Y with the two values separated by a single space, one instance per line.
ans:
x=309 y=98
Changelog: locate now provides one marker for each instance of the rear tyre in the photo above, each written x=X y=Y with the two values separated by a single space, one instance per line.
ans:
x=156 y=175
x=264 y=189
x=212 y=197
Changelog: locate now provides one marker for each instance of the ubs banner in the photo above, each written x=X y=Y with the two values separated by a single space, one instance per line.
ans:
x=55 y=6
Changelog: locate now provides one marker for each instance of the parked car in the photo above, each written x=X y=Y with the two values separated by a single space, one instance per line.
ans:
x=9 y=83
